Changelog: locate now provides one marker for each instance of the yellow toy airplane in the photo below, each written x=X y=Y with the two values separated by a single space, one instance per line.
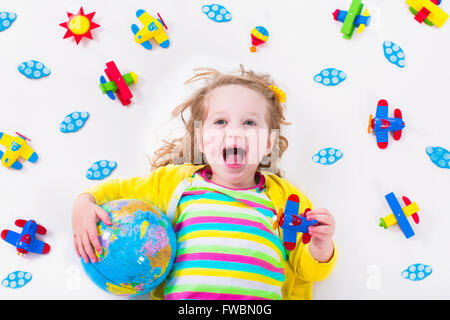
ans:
x=428 y=11
x=400 y=215
x=153 y=28
x=16 y=147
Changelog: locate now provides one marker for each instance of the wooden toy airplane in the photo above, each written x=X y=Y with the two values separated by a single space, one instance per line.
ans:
x=153 y=28
x=118 y=83
x=428 y=11
x=400 y=215
x=291 y=222
x=382 y=124
x=25 y=241
x=16 y=147
x=352 y=19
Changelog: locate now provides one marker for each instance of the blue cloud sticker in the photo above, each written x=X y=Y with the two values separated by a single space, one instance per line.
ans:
x=439 y=156
x=101 y=169
x=73 y=122
x=33 y=69
x=327 y=156
x=6 y=20
x=16 y=279
x=416 y=272
x=217 y=13
x=394 y=54
x=330 y=77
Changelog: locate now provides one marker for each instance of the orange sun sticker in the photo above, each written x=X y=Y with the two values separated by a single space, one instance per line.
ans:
x=79 y=25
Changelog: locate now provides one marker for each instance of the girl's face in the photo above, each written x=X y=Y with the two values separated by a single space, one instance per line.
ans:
x=235 y=135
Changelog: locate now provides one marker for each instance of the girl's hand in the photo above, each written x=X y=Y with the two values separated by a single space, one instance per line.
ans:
x=85 y=215
x=321 y=246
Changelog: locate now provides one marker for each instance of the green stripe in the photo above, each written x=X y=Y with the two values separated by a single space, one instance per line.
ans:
x=231 y=250
x=221 y=289
x=235 y=194
x=220 y=213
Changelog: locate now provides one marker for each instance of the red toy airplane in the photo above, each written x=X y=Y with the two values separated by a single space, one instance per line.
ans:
x=26 y=241
x=117 y=83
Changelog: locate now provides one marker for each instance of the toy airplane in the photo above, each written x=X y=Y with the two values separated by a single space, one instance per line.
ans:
x=153 y=28
x=118 y=83
x=428 y=11
x=352 y=19
x=16 y=147
x=25 y=241
x=291 y=223
x=400 y=215
x=381 y=124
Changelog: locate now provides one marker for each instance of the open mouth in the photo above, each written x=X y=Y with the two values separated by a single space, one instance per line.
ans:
x=233 y=156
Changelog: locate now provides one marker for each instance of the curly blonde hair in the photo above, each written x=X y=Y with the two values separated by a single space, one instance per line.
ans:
x=182 y=150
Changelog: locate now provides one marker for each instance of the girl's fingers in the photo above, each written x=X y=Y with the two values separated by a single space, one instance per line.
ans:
x=321 y=218
x=324 y=231
x=103 y=215
x=93 y=237
x=88 y=247
x=81 y=249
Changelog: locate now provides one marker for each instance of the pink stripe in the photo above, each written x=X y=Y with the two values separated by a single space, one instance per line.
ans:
x=209 y=296
x=195 y=192
x=256 y=205
x=242 y=222
x=228 y=258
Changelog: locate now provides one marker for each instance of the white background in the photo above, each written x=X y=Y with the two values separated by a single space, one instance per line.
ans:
x=304 y=39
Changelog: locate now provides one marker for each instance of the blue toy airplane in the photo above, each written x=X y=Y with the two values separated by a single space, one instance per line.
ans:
x=16 y=147
x=25 y=241
x=291 y=223
x=381 y=124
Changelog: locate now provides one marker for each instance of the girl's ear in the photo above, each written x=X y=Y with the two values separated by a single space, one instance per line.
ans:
x=271 y=140
x=198 y=138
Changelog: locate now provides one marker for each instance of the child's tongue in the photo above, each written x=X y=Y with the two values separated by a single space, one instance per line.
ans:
x=234 y=158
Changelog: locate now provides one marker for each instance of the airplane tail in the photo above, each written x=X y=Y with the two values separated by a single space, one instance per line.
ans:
x=398 y=133
x=41 y=229
x=415 y=216
x=335 y=14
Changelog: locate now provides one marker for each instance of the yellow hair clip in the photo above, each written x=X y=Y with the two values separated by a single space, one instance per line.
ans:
x=278 y=93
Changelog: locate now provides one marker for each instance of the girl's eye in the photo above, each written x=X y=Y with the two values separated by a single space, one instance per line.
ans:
x=250 y=123
x=221 y=121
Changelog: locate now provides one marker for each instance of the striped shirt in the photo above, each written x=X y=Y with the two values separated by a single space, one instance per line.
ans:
x=227 y=248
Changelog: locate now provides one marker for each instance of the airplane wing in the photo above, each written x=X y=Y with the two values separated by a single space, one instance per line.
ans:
x=38 y=246
x=144 y=17
x=382 y=138
x=399 y=215
x=5 y=139
x=123 y=91
x=382 y=109
x=292 y=205
x=289 y=239
x=10 y=236
x=29 y=154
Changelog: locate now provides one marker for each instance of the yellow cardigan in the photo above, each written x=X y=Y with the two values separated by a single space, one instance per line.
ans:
x=164 y=186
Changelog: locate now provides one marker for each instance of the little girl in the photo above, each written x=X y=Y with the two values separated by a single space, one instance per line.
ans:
x=213 y=185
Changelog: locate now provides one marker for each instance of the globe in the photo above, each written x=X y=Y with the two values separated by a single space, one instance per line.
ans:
x=138 y=249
